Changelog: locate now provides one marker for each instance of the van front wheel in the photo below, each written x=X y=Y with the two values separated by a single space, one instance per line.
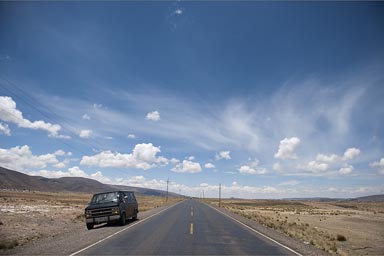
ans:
x=89 y=226
x=123 y=220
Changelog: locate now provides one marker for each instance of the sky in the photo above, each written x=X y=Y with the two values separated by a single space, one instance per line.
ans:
x=268 y=99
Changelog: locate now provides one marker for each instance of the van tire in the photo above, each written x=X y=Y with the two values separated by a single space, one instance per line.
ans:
x=135 y=216
x=89 y=226
x=123 y=219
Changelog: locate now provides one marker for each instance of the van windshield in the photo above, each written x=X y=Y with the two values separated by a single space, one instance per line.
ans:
x=105 y=198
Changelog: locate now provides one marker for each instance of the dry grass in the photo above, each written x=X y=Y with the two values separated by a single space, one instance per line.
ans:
x=29 y=216
x=352 y=228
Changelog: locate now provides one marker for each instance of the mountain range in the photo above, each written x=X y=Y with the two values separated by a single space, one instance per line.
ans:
x=14 y=180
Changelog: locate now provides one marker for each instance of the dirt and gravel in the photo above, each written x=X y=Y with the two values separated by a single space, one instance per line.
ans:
x=37 y=223
x=336 y=227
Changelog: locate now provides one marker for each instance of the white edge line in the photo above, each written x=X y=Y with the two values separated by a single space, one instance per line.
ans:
x=257 y=232
x=118 y=232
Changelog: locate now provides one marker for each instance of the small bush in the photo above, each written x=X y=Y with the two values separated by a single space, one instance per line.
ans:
x=341 y=238
x=8 y=244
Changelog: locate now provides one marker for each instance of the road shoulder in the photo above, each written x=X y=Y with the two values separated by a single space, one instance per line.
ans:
x=294 y=244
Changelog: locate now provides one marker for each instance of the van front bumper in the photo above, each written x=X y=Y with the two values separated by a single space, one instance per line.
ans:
x=103 y=219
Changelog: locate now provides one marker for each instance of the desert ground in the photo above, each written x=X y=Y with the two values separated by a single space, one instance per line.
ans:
x=29 y=216
x=339 y=228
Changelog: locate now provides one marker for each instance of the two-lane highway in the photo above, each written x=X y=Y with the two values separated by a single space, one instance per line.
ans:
x=188 y=228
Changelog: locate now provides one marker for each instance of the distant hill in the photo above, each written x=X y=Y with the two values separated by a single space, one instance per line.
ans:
x=374 y=198
x=19 y=181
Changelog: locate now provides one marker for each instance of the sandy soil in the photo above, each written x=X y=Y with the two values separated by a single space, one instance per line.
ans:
x=343 y=228
x=29 y=216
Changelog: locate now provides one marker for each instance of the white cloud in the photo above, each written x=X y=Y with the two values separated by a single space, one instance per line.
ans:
x=131 y=136
x=289 y=183
x=178 y=12
x=97 y=106
x=187 y=166
x=100 y=177
x=252 y=168
x=314 y=166
x=21 y=158
x=191 y=158
x=74 y=171
x=379 y=164
x=9 y=113
x=346 y=169
x=143 y=157
x=223 y=155
x=329 y=159
x=245 y=169
x=153 y=116
x=277 y=167
x=60 y=165
x=60 y=152
x=86 y=117
x=351 y=153
x=5 y=129
x=85 y=134
x=209 y=166
x=174 y=161
x=287 y=148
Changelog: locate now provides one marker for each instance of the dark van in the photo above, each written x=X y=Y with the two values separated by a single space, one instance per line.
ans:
x=107 y=207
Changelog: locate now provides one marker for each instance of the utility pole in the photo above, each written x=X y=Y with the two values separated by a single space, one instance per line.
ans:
x=219 y=195
x=167 y=189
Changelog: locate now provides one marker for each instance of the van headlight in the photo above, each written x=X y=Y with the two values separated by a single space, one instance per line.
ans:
x=115 y=210
x=88 y=214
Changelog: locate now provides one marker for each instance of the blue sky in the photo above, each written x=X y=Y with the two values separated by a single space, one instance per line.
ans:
x=271 y=100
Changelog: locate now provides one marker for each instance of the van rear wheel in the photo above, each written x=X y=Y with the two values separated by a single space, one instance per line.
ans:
x=89 y=226
x=135 y=216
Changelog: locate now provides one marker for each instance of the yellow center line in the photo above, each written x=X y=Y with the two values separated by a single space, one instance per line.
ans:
x=191 y=229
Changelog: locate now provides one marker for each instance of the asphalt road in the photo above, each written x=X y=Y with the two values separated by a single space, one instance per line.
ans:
x=188 y=228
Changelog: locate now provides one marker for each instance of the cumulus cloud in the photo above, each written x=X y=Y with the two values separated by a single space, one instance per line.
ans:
x=60 y=152
x=287 y=148
x=329 y=159
x=21 y=158
x=347 y=169
x=252 y=168
x=5 y=129
x=9 y=113
x=74 y=171
x=153 y=116
x=209 y=166
x=174 y=161
x=314 y=166
x=85 y=134
x=245 y=169
x=187 y=166
x=379 y=164
x=144 y=156
x=131 y=136
x=223 y=155
x=351 y=153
